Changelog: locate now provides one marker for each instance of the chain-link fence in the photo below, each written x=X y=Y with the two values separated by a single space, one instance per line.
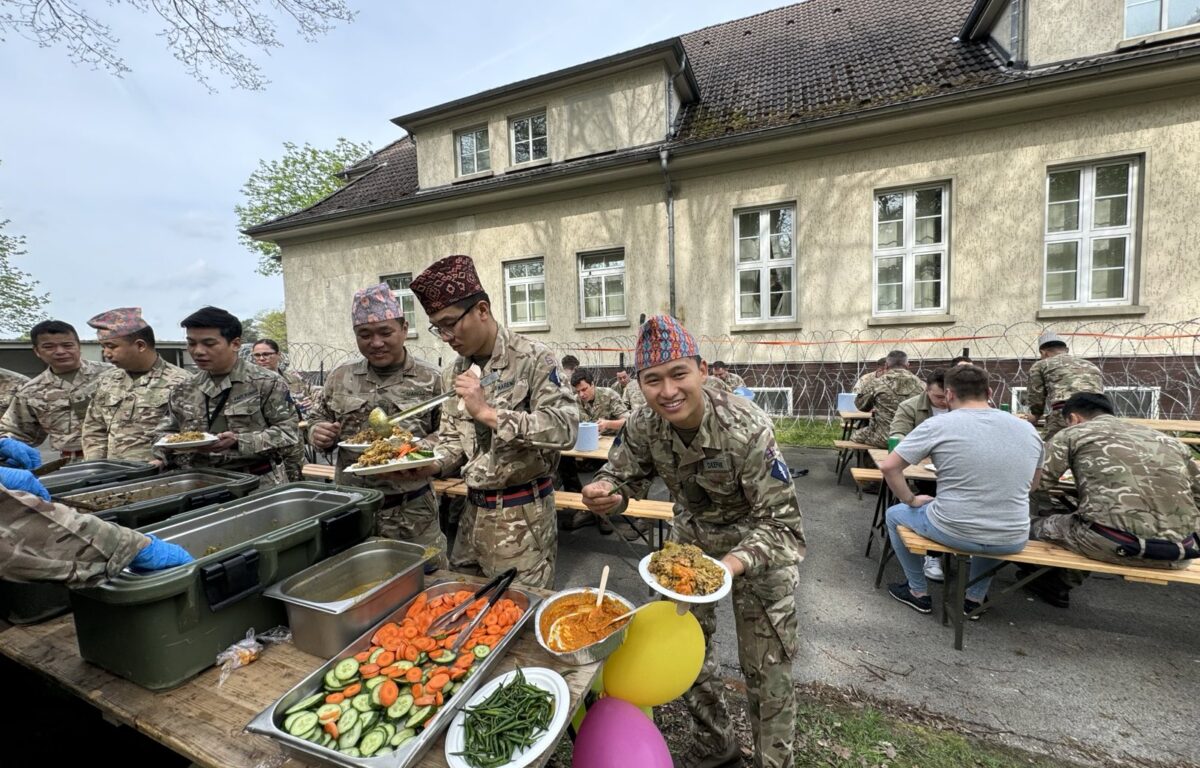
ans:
x=1151 y=371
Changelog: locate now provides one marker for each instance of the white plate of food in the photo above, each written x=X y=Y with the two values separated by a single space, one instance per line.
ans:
x=187 y=440
x=391 y=456
x=546 y=679
x=704 y=587
x=363 y=439
x=346 y=445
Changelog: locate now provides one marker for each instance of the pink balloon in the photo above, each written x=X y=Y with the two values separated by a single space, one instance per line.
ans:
x=616 y=734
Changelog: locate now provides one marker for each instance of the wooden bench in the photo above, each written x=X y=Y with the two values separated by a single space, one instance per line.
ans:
x=1041 y=554
x=647 y=509
x=847 y=450
x=861 y=477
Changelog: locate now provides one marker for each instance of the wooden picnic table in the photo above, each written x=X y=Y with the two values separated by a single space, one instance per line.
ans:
x=915 y=471
x=204 y=722
x=852 y=420
x=600 y=454
x=1168 y=425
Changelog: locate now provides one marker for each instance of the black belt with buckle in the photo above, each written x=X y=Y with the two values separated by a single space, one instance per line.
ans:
x=513 y=496
x=392 y=499
x=1129 y=545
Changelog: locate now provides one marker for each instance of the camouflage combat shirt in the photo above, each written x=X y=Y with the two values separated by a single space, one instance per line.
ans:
x=125 y=411
x=43 y=541
x=605 y=404
x=744 y=482
x=50 y=406
x=1130 y=477
x=881 y=396
x=1056 y=378
x=353 y=390
x=257 y=410
x=537 y=416
x=10 y=382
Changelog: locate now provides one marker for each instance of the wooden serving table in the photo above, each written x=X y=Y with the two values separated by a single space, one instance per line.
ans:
x=600 y=454
x=204 y=722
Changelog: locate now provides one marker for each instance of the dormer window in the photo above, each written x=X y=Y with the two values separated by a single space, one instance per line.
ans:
x=1145 y=17
x=473 y=151
x=529 y=141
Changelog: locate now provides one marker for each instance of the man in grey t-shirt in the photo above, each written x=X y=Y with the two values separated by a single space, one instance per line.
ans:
x=986 y=461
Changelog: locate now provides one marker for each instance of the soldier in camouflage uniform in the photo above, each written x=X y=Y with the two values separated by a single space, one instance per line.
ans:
x=599 y=404
x=622 y=381
x=1056 y=377
x=633 y=396
x=722 y=372
x=45 y=541
x=882 y=395
x=1139 y=495
x=866 y=378
x=505 y=436
x=265 y=353
x=911 y=413
x=132 y=399
x=734 y=499
x=10 y=382
x=245 y=406
x=52 y=405
x=388 y=377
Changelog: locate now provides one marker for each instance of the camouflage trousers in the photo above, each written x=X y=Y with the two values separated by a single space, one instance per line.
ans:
x=1076 y=535
x=414 y=521
x=293 y=462
x=524 y=537
x=875 y=434
x=764 y=612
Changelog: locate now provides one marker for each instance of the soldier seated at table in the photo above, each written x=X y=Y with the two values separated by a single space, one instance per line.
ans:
x=866 y=378
x=911 y=414
x=882 y=395
x=986 y=463
x=606 y=408
x=1054 y=378
x=1139 y=495
x=722 y=372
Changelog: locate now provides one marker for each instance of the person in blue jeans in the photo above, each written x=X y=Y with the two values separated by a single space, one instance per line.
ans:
x=986 y=462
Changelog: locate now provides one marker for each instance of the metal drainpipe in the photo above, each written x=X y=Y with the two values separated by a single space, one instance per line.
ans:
x=663 y=155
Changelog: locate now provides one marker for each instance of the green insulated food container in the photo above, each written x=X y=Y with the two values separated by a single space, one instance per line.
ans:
x=89 y=473
x=160 y=629
x=133 y=504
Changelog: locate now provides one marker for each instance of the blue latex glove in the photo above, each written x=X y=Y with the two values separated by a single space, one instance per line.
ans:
x=22 y=480
x=159 y=554
x=17 y=454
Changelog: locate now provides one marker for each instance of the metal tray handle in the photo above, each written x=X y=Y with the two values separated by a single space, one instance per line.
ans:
x=204 y=498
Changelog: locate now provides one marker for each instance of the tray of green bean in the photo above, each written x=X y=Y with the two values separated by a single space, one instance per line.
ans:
x=510 y=721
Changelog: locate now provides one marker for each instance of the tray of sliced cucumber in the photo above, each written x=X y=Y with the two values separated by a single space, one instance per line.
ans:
x=387 y=698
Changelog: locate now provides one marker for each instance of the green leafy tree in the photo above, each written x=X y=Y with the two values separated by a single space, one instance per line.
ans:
x=272 y=324
x=303 y=176
x=203 y=35
x=21 y=306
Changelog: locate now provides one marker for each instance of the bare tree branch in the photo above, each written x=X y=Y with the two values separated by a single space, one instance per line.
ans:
x=205 y=36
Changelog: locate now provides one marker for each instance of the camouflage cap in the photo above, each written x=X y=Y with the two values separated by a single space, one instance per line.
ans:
x=116 y=323
x=662 y=339
x=1050 y=338
x=374 y=305
x=446 y=282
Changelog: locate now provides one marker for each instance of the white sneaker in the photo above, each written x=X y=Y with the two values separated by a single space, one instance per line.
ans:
x=933 y=569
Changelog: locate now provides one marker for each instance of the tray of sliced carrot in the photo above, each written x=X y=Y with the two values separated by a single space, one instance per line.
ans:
x=387 y=697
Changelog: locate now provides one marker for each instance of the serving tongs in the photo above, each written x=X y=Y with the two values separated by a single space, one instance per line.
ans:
x=452 y=620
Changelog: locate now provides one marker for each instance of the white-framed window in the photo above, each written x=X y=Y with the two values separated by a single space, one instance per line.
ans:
x=1129 y=402
x=777 y=401
x=528 y=137
x=525 y=291
x=765 y=264
x=911 y=250
x=1145 y=17
x=602 y=285
x=1090 y=214
x=472 y=151
x=401 y=286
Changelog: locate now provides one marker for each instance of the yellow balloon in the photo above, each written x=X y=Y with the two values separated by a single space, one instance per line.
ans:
x=660 y=658
x=598 y=689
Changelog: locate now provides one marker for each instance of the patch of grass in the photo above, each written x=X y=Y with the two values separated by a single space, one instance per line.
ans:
x=869 y=738
x=809 y=433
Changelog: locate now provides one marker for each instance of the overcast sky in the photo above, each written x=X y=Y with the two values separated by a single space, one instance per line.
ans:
x=125 y=187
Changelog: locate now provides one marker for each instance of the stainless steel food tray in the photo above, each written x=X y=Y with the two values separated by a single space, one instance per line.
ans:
x=269 y=721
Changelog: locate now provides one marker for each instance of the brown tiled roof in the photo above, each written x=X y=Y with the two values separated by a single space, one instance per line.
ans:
x=799 y=64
